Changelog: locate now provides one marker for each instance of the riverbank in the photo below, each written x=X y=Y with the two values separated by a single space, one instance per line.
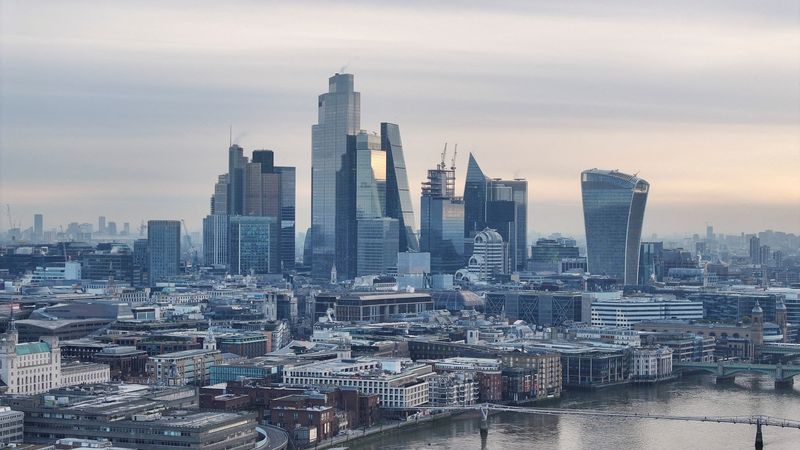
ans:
x=385 y=429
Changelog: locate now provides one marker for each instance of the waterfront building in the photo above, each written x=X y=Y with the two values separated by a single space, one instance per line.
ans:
x=546 y=365
x=611 y=335
x=399 y=382
x=650 y=364
x=163 y=249
x=453 y=389
x=613 y=211
x=442 y=221
x=592 y=368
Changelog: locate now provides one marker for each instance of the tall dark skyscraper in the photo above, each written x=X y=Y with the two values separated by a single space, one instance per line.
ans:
x=38 y=228
x=442 y=224
x=398 y=197
x=254 y=187
x=498 y=204
x=332 y=196
x=163 y=249
x=613 y=213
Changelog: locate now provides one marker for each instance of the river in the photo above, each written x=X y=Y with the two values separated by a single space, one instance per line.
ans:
x=694 y=395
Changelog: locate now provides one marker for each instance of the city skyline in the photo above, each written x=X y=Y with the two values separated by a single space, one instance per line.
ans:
x=712 y=146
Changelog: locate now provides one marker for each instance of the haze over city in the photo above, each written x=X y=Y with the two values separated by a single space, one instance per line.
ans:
x=124 y=109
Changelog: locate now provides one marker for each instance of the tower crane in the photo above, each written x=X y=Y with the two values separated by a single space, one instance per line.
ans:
x=453 y=161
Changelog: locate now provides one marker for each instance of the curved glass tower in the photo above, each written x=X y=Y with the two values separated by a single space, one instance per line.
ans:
x=613 y=212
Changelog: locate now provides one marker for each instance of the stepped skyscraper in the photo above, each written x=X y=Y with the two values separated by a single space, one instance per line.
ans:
x=361 y=213
x=613 y=213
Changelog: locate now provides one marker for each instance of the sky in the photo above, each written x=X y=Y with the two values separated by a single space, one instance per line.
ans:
x=123 y=108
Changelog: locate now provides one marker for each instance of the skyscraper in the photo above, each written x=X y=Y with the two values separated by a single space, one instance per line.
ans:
x=253 y=245
x=101 y=225
x=38 y=228
x=252 y=188
x=398 y=197
x=613 y=212
x=442 y=224
x=339 y=120
x=163 y=249
x=498 y=204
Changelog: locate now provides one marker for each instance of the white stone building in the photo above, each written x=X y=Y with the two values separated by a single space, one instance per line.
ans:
x=651 y=364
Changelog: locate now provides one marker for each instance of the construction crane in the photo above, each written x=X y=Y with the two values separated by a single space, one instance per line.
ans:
x=10 y=221
x=453 y=161
x=444 y=155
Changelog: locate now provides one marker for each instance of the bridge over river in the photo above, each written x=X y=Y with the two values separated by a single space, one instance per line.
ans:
x=726 y=371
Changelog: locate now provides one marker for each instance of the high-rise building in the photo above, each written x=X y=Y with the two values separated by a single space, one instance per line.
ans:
x=498 y=204
x=755 y=249
x=253 y=245
x=546 y=254
x=111 y=229
x=101 y=225
x=126 y=228
x=359 y=189
x=613 y=213
x=38 y=228
x=215 y=239
x=651 y=262
x=332 y=228
x=141 y=276
x=163 y=249
x=442 y=221
x=398 y=197
x=253 y=187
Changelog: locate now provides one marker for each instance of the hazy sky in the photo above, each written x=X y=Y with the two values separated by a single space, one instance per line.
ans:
x=122 y=108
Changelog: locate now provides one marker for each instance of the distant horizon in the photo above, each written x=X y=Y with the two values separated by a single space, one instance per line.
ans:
x=130 y=118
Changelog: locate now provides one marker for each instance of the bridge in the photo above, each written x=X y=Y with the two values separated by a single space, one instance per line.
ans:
x=726 y=371
x=485 y=408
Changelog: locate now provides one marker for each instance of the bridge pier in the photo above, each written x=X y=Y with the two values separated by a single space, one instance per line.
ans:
x=484 y=422
x=727 y=379
x=784 y=384
x=759 y=437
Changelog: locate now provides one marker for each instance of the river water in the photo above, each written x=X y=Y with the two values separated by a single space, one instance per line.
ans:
x=694 y=395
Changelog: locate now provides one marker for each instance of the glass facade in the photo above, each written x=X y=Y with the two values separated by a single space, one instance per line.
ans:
x=613 y=212
x=651 y=262
x=288 y=216
x=474 y=199
x=163 y=249
x=377 y=245
x=253 y=245
x=442 y=227
x=339 y=120
x=215 y=239
x=398 y=197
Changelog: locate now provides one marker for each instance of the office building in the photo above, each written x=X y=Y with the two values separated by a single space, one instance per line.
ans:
x=628 y=311
x=141 y=259
x=253 y=245
x=109 y=262
x=651 y=262
x=536 y=307
x=399 y=382
x=38 y=228
x=442 y=226
x=101 y=225
x=163 y=249
x=547 y=254
x=498 y=204
x=613 y=212
x=339 y=120
x=489 y=258
x=215 y=239
x=11 y=425
x=398 y=197
x=31 y=367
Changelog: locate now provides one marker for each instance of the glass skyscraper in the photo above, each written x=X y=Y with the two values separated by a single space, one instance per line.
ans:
x=339 y=120
x=442 y=225
x=498 y=204
x=398 y=197
x=613 y=212
x=253 y=244
x=163 y=249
